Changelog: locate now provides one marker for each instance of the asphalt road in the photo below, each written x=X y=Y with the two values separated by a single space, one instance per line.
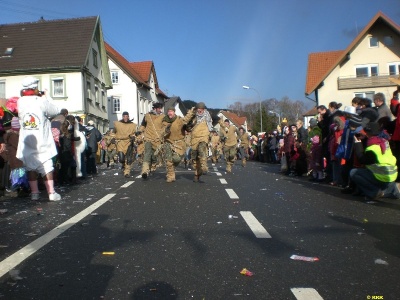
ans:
x=118 y=238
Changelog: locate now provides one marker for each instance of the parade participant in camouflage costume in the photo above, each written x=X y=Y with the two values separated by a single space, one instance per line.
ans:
x=152 y=128
x=111 y=148
x=174 y=141
x=125 y=131
x=188 y=138
x=244 y=144
x=139 y=147
x=215 y=143
x=200 y=133
x=230 y=133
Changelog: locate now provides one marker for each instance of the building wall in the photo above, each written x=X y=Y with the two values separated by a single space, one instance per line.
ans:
x=127 y=92
x=96 y=108
x=72 y=99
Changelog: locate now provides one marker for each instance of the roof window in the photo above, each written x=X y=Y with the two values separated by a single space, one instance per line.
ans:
x=8 y=51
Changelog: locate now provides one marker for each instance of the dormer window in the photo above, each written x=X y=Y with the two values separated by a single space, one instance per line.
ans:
x=373 y=42
x=8 y=51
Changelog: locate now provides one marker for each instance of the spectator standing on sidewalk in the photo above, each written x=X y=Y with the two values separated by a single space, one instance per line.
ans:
x=93 y=137
x=381 y=107
x=36 y=146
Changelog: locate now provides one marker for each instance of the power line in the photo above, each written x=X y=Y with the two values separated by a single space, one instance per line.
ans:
x=31 y=10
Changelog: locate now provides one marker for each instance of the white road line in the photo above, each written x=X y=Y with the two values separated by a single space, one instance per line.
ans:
x=215 y=169
x=255 y=226
x=218 y=174
x=306 y=294
x=232 y=194
x=127 y=184
x=223 y=181
x=15 y=259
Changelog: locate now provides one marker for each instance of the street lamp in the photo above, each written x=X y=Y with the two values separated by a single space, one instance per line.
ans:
x=276 y=114
x=259 y=99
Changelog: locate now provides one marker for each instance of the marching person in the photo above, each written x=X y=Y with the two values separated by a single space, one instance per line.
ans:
x=201 y=126
x=244 y=144
x=93 y=137
x=36 y=146
x=215 y=144
x=174 y=141
x=111 y=148
x=152 y=128
x=125 y=131
x=188 y=151
x=230 y=133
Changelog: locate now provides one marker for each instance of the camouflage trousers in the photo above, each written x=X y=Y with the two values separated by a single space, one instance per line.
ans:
x=215 y=155
x=110 y=156
x=149 y=158
x=172 y=160
x=199 y=159
x=230 y=156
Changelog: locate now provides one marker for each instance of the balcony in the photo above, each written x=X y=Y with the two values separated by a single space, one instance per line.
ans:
x=353 y=82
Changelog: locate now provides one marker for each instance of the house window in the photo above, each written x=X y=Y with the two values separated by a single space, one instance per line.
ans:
x=89 y=90
x=103 y=98
x=369 y=95
x=388 y=41
x=373 y=42
x=116 y=105
x=114 y=77
x=95 y=58
x=394 y=68
x=96 y=94
x=58 y=87
x=366 y=70
x=2 y=89
x=8 y=51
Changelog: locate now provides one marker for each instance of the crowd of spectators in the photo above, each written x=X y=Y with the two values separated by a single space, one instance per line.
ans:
x=356 y=148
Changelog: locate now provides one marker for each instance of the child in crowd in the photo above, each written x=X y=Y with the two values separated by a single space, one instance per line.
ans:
x=316 y=162
x=11 y=140
x=336 y=134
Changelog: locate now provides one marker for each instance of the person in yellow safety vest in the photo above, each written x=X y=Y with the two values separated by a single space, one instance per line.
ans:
x=378 y=177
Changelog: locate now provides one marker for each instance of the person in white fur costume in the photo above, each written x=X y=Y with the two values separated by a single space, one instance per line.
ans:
x=36 y=146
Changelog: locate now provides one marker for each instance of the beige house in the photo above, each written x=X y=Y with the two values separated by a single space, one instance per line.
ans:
x=362 y=69
x=69 y=59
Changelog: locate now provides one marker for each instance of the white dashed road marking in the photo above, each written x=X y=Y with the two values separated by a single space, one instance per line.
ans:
x=15 y=259
x=232 y=194
x=306 y=294
x=215 y=169
x=127 y=184
x=218 y=174
x=223 y=181
x=255 y=226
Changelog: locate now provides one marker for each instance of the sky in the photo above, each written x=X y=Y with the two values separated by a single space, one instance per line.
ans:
x=206 y=50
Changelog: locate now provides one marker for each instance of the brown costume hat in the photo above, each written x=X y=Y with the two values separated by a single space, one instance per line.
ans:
x=157 y=105
x=200 y=105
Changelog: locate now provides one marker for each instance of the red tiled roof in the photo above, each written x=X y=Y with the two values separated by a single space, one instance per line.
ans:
x=238 y=121
x=312 y=112
x=316 y=60
x=143 y=68
x=318 y=65
x=123 y=63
